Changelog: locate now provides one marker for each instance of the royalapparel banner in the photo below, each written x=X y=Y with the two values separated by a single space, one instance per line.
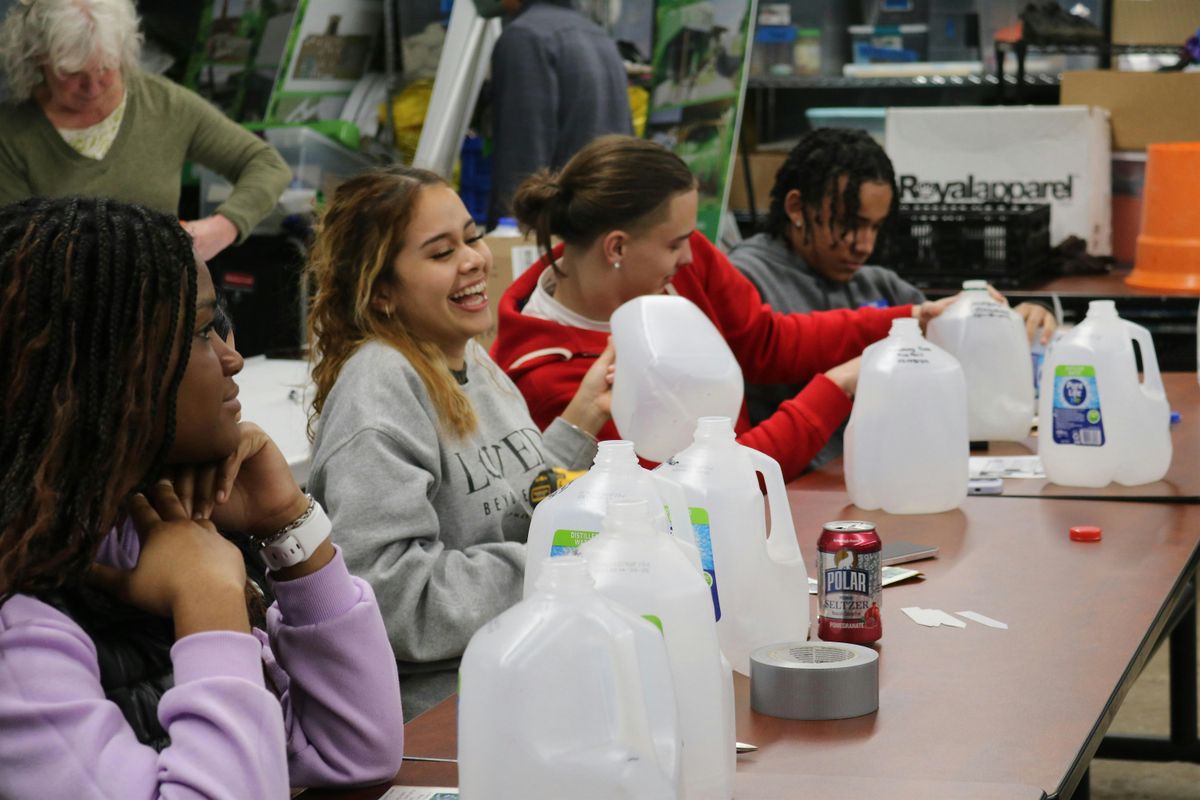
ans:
x=699 y=79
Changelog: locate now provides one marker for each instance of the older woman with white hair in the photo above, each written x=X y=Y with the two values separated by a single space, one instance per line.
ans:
x=83 y=118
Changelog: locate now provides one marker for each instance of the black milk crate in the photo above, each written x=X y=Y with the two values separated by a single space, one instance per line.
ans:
x=940 y=245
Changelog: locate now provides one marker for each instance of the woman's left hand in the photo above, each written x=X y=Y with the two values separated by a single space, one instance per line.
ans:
x=932 y=309
x=211 y=235
x=591 y=407
x=255 y=492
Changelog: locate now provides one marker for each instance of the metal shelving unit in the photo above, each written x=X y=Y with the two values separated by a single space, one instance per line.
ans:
x=1022 y=48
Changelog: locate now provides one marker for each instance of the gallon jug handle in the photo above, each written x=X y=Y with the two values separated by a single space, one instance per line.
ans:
x=681 y=517
x=631 y=720
x=1152 y=382
x=781 y=543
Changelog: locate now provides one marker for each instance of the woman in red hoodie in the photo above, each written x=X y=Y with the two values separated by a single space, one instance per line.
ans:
x=625 y=212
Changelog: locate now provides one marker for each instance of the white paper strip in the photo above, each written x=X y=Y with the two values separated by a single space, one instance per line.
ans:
x=945 y=619
x=920 y=616
x=981 y=619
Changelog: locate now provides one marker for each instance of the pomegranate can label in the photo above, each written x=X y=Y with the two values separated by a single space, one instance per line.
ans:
x=849 y=586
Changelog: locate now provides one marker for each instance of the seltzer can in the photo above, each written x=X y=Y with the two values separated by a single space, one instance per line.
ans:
x=849 y=573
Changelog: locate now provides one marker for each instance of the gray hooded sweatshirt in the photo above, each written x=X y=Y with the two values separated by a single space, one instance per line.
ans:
x=437 y=525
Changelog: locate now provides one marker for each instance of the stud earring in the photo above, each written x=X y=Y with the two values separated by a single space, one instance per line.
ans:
x=616 y=265
x=799 y=223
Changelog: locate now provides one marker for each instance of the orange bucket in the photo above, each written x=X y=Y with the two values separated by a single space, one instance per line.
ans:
x=1168 y=248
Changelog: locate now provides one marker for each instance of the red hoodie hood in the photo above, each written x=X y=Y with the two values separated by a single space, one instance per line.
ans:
x=524 y=343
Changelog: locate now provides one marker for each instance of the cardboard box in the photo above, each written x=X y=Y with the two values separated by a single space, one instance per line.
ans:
x=763 y=166
x=1154 y=21
x=511 y=255
x=1056 y=155
x=1145 y=107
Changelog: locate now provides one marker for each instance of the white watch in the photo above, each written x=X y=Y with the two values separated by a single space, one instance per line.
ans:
x=297 y=540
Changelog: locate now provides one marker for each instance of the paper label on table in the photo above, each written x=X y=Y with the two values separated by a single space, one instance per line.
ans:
x=945 y=619
x=420 y=793
x=1077 y=406
x=890 y=575
x=1006 y=467
x=981 y=619
x=919 y=616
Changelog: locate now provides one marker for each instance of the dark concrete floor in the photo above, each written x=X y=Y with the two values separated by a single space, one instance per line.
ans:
x=1145 y=711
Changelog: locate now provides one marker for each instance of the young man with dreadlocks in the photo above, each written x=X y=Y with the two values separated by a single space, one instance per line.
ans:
x=135 y=659
x=831 y=199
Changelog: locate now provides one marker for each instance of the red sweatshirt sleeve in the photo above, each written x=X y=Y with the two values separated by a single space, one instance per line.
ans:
x=782 y=348
x=800 y=427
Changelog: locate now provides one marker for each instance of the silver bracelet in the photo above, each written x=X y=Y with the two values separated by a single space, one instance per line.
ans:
x=270 y=538
x=579 y=429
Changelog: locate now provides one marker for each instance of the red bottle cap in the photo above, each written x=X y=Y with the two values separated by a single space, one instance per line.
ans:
x=1085 y=533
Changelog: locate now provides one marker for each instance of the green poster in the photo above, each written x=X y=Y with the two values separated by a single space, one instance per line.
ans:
x=700 y=49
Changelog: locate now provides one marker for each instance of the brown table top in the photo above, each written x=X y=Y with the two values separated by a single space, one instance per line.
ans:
x=1109 y=285
x=974 y=712
x=1181 y=482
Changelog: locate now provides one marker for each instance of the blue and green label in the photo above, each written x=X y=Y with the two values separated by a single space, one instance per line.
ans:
x=566 y=542
x=1076 y=409
x=704 y=544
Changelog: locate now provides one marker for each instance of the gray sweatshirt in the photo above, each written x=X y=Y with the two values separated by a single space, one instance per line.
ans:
x=787 y=283
x=436 y=525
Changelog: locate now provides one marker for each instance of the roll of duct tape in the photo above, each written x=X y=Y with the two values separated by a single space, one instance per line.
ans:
x=814 y=680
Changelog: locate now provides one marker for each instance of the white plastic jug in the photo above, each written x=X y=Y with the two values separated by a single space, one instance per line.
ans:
x=567 y=694
x=572 y=515
x=758 y=583
x=673 y=367
x=906 y=444
x=1097 y=422
x=989 y=341
x=638 y=566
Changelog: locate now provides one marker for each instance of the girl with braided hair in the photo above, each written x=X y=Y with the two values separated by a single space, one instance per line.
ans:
x=129 y=666
x=832 y=198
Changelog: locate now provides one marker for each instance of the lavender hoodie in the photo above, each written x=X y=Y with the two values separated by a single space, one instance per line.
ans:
x=337 y=722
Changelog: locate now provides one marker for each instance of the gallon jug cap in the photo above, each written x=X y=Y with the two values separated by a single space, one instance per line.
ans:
x=975 y=286
x=714 y=428
x=1107 y=308
x=627 y=516
x=905 y=326
x=565 y=574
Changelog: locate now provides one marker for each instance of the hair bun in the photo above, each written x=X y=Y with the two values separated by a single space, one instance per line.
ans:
x=537 y=195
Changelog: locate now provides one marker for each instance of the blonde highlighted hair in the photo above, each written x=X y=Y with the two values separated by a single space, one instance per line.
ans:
x=360 y=235
x=64 y=35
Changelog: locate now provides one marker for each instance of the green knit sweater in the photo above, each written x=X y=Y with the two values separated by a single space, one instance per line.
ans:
x=164 y=126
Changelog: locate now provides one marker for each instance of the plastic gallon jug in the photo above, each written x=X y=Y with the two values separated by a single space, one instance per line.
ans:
x=673 y=367
x=1097 y=422
x=906 y=444
x=572 y=515
x=567 y=694
x=638 y=566
x=758 y=583
x=989 y=341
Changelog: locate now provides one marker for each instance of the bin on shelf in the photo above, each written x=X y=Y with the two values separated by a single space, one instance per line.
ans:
x=318 y=163
x=871 y=120
x=876 y=44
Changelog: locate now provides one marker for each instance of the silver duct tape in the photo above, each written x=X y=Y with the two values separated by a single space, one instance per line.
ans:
x=814 y=680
